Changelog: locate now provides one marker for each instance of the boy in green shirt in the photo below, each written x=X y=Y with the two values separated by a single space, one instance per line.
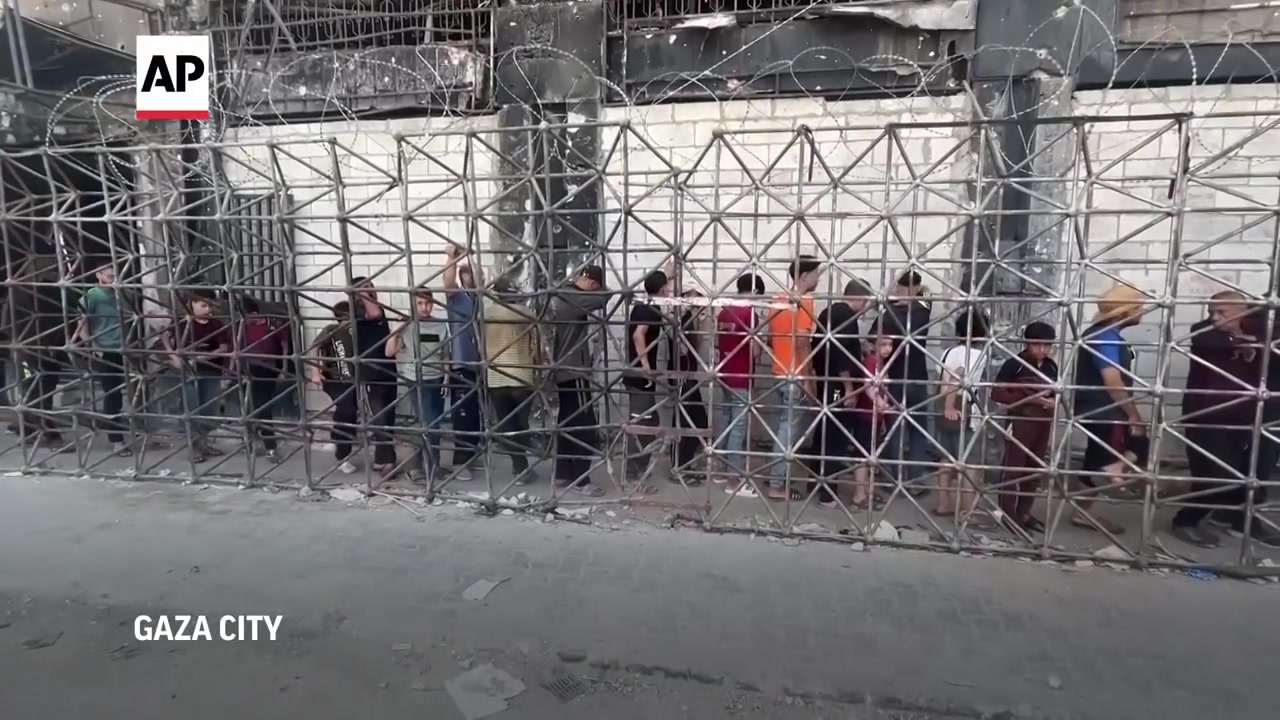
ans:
x=102 y=329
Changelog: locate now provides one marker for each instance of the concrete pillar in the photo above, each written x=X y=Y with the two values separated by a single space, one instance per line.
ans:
x=1041 y=45
x=548 y=58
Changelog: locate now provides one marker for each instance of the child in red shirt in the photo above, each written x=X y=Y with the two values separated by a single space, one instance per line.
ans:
x=875 y=404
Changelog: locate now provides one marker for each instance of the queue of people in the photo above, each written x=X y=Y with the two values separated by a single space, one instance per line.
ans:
x=844 y=397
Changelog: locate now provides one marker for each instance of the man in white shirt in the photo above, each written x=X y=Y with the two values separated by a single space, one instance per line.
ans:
x=963 y=367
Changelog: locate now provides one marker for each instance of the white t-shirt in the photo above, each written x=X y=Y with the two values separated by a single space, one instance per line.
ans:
x=971 y=363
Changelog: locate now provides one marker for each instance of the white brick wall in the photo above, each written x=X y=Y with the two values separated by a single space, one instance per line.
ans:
x=736 y=186
x=757 y=193
x=665 y=182
x=1227 y=229
x=397 y=231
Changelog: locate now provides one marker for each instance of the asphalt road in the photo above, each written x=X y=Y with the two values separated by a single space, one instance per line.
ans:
x=655 y=623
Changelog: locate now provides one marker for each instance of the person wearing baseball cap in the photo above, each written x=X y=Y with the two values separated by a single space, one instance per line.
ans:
x=1103 y=402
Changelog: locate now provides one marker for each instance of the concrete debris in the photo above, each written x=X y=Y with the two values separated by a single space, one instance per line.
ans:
x=508 y=502
x=549 y=517
x=810 y=528
x=885 y=532
x=419 y=685
x=480 y=589
x=305 y=491
x=791 y=542
x=858 y=547
x=483 y=691
x=1266 y=562
x=1083 y=563
x=508 y=512
x=1055 y=683
x=346 y=494
x=571 y=655
x=479 y=495
x=1113 y=552
x=915 y=537
x=437 y=502
x=708 y=22
x=402 y=647
x=576 y=512
x=41 y=642
x=611 y=513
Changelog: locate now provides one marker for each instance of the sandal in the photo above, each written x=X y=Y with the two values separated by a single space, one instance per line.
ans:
x=743 y=490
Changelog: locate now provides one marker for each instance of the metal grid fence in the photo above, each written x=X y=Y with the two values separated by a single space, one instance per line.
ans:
x=289 y=227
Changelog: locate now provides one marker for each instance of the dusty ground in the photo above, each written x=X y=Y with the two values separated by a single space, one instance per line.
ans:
x=705 y=504
x=658 y=623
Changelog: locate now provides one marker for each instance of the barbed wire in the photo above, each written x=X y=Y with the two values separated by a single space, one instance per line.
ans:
x=973 y=167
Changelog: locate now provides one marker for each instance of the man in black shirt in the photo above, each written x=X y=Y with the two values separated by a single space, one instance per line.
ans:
x=841 y=434
x=577 y=310
x=691 y=404
x=644 y=330
x=907 y=321
x=375 y=372
x=332 y=370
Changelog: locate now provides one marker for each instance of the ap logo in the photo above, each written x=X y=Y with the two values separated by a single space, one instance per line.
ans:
x=173 y=77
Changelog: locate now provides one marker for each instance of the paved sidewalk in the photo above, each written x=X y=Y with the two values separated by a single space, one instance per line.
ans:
x=684 y=622
x=710 y=501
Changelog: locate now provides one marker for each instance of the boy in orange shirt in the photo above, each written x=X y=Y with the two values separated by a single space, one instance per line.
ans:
x=791 y=327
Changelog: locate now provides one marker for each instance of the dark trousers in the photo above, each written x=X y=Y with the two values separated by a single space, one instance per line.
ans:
x=382 y=397
x=429 y=405
x=38 y=381
x=511 y=407
x=832 y=449
x=1224 y=486
x=346 y=413
x=642 y=436
x=108 y=370
x=578 y=438
x=691 y=414
x=1024 y=464
x=464 y=415
x=264 y=382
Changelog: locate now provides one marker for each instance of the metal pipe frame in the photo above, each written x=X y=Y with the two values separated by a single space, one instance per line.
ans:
x=867 y=202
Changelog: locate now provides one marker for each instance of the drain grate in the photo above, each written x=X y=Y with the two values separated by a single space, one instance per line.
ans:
x=565 y=687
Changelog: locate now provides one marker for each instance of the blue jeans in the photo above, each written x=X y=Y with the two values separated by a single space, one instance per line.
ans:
x=200 y=398
x=790 y=403
x=907 y=443
x=733 y=422
x=428 y=403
